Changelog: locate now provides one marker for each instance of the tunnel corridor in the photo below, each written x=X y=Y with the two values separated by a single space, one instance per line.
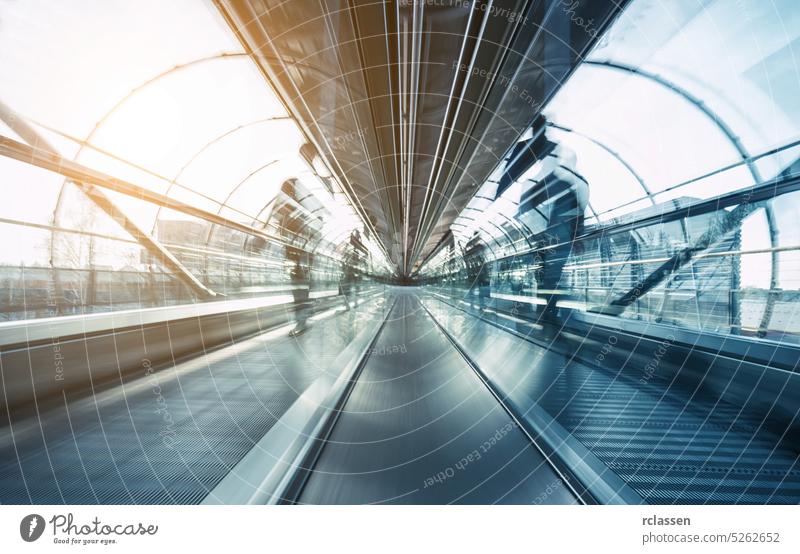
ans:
x=400 y=252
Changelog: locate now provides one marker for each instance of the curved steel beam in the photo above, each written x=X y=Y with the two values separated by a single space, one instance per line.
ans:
x=520 y=226
x=613 y=153
x=227 y=198
x=174 y=181
x=495 y=225
x=84 y=144
x=689 y=97
x=117 y=105
x=40 y=153
x=131 y=93
x=283 y=95
x=735 y=142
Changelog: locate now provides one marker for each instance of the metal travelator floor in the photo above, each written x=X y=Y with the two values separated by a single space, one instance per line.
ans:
x=669 y=443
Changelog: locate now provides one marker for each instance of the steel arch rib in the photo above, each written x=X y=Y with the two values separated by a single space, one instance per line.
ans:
x=735 y=142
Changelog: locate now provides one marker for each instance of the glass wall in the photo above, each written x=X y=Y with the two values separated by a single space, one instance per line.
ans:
x=161 y=97
x=682 y=129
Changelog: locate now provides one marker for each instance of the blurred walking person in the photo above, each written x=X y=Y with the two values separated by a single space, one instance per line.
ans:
x=478 y=271
x=300 y=277
x=353 y=261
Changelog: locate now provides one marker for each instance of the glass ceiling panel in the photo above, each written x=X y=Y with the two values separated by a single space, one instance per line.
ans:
x=709 y=187
x=84 y=215
x=259 y=187
x=125 y=42
x=628 y=208
x=29 y=193
x=611 y=183
x=170 y=103
x=662 y=136
x=186 y=110
x=743 y=63
x=256 y=155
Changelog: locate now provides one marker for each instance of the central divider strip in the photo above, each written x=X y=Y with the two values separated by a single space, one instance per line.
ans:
x=598 y=484
x=581 y=493
x=314 y=447
x=277 y=467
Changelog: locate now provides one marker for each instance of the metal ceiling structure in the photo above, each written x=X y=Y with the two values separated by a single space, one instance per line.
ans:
x=412 y=105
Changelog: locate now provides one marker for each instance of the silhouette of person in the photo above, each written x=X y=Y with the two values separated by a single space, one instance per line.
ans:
x=561 y=194
x=352 y=266
x=300 y=277
x=478 y=271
